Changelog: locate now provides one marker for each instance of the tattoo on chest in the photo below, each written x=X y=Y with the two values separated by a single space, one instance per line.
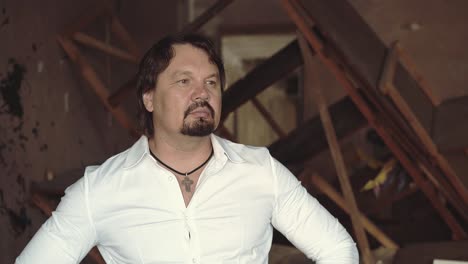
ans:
x=187 y=182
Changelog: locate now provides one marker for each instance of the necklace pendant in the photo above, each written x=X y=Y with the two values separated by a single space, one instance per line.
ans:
x=187 y=182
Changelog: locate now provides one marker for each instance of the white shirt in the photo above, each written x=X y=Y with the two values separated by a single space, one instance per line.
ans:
x=132 y=209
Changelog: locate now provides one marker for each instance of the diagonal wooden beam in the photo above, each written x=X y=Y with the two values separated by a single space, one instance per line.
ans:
x=335 y=150
x=102 y=46
x=201 y=20
x=124 y=36
x=387 y=86
x=268 y=117
x=335 y=196
x=297 y=146
x=123 y=92
x=273 y=69
x=377 y=121
x=90 y=75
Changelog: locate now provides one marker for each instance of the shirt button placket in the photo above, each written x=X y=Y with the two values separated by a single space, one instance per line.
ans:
x=192 y=241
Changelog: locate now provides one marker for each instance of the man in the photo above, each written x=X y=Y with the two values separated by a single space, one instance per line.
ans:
x=181 y=194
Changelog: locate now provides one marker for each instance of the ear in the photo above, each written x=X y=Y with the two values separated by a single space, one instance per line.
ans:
x=148 y=100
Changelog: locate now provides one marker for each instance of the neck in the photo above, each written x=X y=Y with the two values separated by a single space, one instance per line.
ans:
x=183 y=153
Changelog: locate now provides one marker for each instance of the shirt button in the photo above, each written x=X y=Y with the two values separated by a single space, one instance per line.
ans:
x=170 y=178
x=194 y=260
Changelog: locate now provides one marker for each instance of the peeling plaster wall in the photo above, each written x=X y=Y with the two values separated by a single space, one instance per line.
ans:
x=64 y=126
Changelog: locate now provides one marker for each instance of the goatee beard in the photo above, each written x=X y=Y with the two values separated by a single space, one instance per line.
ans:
x=200 y=127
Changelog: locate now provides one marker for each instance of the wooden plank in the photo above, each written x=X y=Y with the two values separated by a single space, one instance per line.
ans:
x=386 y=84
x=388 y=71
x=446 y=190
x=336 y=153
x=297 y=146
x=268 y=117
x=358 y=46
x=379 y=126
x=212 y=11
x=122 y=34
x=102 y=46
x=273 y=69
x=96 y=83
x=401 y=104
x=116 y=98
x=329 y=191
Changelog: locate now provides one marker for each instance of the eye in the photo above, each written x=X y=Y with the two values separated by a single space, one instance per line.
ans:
x=211 y=83
x=183 y=81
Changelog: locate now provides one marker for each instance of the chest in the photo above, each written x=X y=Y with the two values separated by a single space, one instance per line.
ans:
x=228 y=213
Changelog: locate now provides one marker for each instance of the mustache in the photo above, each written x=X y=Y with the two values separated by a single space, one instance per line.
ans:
x=199 y=104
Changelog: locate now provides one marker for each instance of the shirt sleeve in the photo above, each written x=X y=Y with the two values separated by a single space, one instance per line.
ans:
x=68 y=235
x=307 y=224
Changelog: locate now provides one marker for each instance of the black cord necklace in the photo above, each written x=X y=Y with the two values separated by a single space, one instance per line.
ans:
x=181 y=173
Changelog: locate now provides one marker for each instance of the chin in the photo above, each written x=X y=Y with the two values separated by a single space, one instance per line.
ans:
x=198 y=128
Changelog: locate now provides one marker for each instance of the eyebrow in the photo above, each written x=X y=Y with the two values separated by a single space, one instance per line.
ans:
x=177 y=73
x=189 y=73
x=213 y=75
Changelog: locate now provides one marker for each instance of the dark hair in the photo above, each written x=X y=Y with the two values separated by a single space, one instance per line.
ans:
x=157 y=59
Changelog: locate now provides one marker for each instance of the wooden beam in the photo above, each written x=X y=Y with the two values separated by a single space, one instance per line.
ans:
x=275 y=68
x=363 y=105
x=357 y=45
x=98 y=86
x=297 y=146
x=386 y=84
x=212 y=11
x=116 y=98
x=336 y=153
x=102 y=46
x=268 y=118
x=122 y=34
x=388 y=72
x=329 y=191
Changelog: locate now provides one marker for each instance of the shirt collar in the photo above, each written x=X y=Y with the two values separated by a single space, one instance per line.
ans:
x=220 y=148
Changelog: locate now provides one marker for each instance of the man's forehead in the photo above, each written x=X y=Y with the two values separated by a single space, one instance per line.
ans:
x=189 y=59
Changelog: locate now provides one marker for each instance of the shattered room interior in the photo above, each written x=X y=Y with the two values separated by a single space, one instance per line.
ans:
x=365 y=101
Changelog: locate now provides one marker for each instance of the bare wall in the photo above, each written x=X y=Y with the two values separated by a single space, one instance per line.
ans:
x=63 y=126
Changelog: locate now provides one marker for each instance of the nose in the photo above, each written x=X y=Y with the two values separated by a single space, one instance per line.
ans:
x=200 y=92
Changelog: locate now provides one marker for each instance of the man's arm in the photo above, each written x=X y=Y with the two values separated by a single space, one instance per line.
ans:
x=307 y=224
x=68 y=235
